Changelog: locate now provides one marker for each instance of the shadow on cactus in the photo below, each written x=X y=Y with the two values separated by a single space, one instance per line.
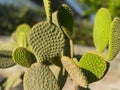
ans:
x=46 y=51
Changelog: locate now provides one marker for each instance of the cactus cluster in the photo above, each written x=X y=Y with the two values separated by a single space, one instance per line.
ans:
x=50 y=43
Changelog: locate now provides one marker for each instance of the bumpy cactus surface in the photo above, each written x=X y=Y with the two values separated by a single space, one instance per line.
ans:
x=114 y=39
x=101 y=29
x=23 y=57
x=49 y=43
x=40 y=77
x=6 y=59
x=94 y=66
x=46 y=40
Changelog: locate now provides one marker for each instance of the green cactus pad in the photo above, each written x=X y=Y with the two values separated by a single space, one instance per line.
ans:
x=114 y=39
x=40 y=77
x=21 y=35
x=47 y=5
x=46 y=40
x=101 y=29
x=23 y=57
x=74 y=71
x=94 y=66
x=6 y=59
x=65 y=19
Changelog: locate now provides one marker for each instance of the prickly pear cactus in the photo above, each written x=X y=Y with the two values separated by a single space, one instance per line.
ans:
x=74 y=71
x=46 y=40
x=21 y=35
x=6 y=59
x=65 y=19
x=101 y=29
x=40 y=77
x=114 y=39
x=93 y=65
x=23 y=57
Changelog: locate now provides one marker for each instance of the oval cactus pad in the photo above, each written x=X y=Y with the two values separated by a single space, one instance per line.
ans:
x=46 y=40
x=65 y=19
x=23 y=57
x=101 y=29
x=6 y=59
x=40 y=77
x=94 y=66
x=114 y=39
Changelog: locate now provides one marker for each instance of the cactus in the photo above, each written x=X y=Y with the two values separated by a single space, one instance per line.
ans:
x=6 y=59
x=46 y=40
x=40 y=77
x=94 y=66
x=49 y=43
x=114 y=39
x=101 y=29
x=23 y=57
x=74 y=71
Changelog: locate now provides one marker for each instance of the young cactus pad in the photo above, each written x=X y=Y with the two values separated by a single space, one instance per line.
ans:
x=75 y=72
x=21 y=35
x=23 y=57
x=94 y=66
x=101 y=29
x=6 y=59
x=40 y=77
x=114 y=39
x=46 y=40
x=65 y=19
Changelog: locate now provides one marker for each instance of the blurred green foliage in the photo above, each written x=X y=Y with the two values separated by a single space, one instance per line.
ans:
x=82 y=33
x=11 y=17
x=93 y=5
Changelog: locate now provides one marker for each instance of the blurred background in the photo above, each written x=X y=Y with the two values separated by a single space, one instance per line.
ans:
x=15 y=12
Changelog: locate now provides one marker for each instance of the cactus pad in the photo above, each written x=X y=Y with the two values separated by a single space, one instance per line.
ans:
x=21 y=35
x=23 y=57
x=6 y=59
x=65 y=19
x=74 y=71
x=101 y=29
x=114 y=39
x=40 y=77
x=94 y=66
x=47 y=5
x=46 y=40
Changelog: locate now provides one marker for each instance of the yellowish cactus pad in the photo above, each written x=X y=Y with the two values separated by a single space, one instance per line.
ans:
x=114 y=39
x=101 y=29
x=94 y=66
x=74 y=71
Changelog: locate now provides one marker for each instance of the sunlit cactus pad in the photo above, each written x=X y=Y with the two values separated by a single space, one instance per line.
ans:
x=6 y=59
x=101 y=29
x=21 y=35
x=39 y=77
x=23 y=57
x=114 y=39
x=74 y=71
x=94 y=66
x=46 y=40
x=65 y=19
